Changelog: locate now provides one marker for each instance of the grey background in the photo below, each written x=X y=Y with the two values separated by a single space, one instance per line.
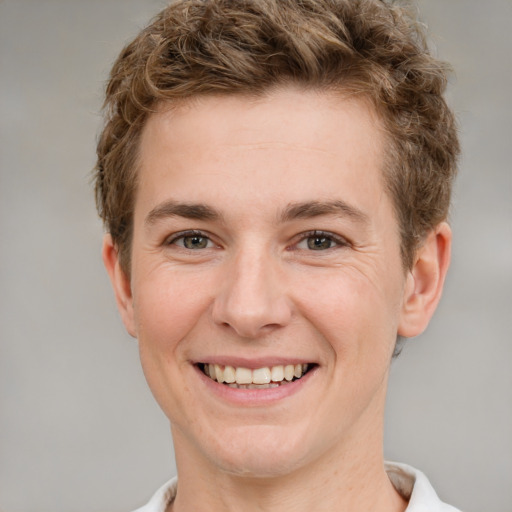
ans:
x=78 y=429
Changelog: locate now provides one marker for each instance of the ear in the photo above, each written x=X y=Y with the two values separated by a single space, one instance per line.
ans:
x=425 y=281
x=120 y=283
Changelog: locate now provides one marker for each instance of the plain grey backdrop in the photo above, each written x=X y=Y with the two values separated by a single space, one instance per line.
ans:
x=79 y=431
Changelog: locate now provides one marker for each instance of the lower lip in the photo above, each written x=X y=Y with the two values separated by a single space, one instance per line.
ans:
x=255 y=397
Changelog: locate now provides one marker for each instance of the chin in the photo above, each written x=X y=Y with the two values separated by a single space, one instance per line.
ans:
x=258 y=464
x=259 y=452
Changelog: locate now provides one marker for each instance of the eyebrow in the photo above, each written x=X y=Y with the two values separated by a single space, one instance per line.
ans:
x=306 y=210
x=197 y=211
x=299 y=210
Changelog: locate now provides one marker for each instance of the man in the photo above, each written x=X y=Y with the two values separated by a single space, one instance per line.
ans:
x=275 y=177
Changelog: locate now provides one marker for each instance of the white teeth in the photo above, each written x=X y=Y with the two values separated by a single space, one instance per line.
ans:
x=254 y=386
x=289 y=371
x=229 y=374
x=243 y=376
x=259 y=378
x=219 y=373
x=277 y=373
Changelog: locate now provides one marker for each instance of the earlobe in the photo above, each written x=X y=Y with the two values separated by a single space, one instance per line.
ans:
x=120 y=283
x=424 y=284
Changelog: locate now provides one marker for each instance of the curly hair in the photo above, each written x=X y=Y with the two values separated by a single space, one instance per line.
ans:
x=371 y=48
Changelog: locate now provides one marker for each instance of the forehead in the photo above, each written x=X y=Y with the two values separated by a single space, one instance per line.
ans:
x=289 y=145
x=280 y=115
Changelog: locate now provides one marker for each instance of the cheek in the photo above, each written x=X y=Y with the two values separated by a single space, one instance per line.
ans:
x=167 y=307
x=353 y=314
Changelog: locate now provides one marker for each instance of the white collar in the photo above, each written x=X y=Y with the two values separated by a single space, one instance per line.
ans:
x=414 y=486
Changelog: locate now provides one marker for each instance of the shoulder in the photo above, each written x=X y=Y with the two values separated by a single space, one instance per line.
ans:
x=413 y=485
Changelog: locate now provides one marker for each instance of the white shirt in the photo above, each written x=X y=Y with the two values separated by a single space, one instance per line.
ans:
x=412 y=484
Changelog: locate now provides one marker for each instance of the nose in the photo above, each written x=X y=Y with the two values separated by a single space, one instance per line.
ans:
x=252 y=299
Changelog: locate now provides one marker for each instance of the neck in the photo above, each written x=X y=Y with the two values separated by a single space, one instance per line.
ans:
x=350 y=478
x=362 y=489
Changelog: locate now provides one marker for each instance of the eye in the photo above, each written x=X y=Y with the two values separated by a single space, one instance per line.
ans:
x=320 y=241
x=192 y=240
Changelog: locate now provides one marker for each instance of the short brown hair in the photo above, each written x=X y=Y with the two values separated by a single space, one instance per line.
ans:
x=369 y=47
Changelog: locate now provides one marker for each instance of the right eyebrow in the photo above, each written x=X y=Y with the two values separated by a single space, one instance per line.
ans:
x=197 y=211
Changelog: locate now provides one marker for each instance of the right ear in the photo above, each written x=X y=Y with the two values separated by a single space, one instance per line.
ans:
x=120 y=283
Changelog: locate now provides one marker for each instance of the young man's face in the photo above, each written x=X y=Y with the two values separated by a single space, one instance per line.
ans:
x=263 y=238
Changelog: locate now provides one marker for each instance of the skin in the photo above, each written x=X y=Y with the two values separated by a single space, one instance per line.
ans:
x=262 y=180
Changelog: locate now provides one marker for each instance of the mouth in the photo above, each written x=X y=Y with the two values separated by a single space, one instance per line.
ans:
x=257 y=378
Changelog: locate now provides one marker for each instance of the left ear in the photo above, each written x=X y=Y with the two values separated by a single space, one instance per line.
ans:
x=425 y=281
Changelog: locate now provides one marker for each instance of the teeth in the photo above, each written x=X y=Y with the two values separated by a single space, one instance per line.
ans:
x=243 y=376
x=229 y=374
x=259 y=378
x=289 y=371
x=219 y=373
x=254 y=386
x=277 y=373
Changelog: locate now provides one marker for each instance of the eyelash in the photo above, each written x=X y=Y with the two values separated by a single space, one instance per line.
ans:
x=186 y=234
x=338 y=240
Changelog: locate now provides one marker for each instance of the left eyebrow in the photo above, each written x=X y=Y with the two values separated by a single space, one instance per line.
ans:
x=309 y=209
x=197 y=211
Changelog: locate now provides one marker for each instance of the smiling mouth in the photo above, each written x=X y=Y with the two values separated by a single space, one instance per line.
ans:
x=259 y=378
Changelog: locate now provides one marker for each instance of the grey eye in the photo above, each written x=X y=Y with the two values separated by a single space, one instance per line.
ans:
x=319 y=243
x=195 y=242
x=191 y=240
